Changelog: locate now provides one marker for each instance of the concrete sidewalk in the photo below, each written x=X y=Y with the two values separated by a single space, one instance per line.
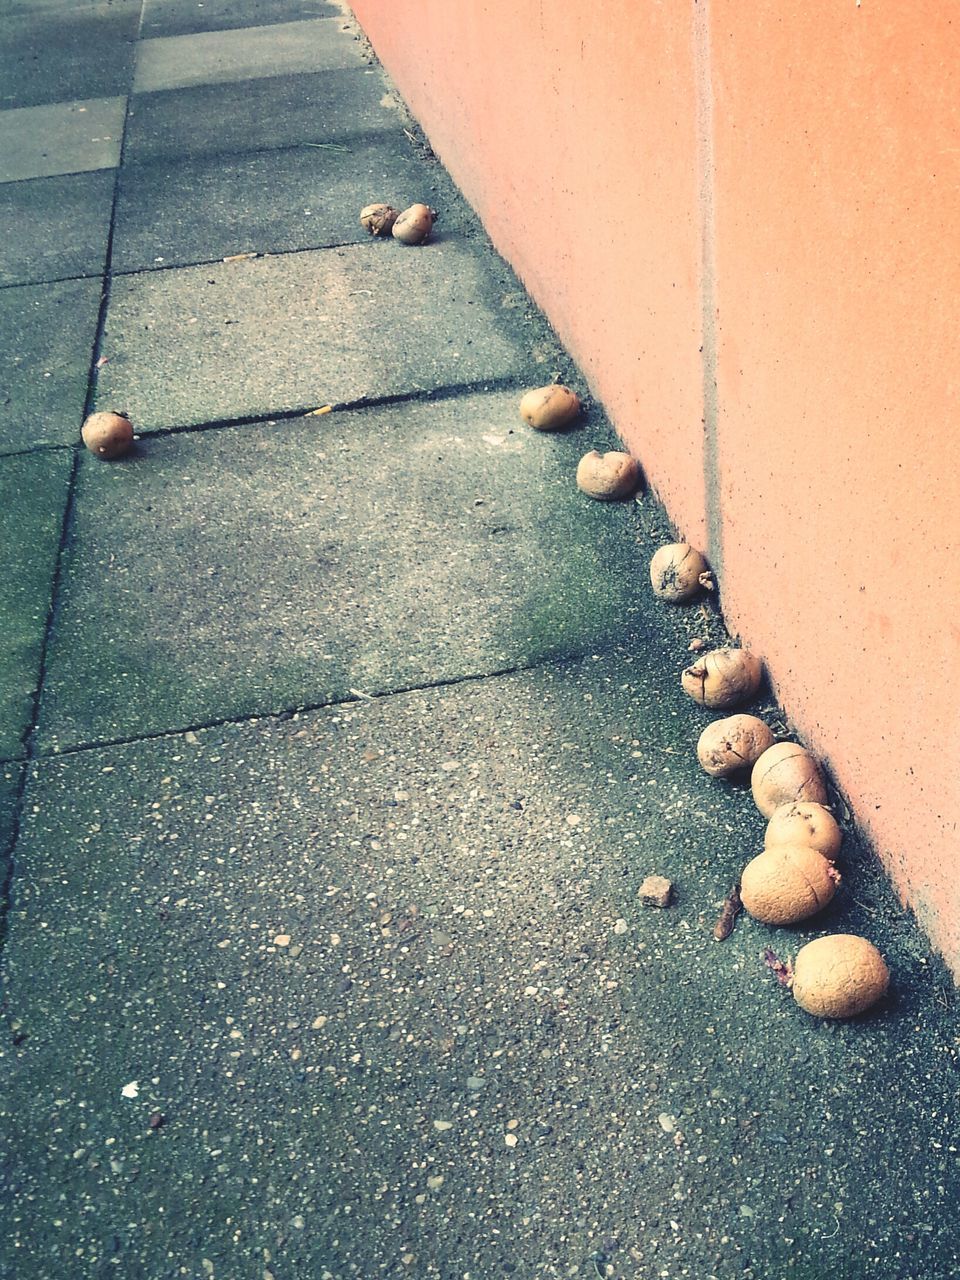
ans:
x=333 y=750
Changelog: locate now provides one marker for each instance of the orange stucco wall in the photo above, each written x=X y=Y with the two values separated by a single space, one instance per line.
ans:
x=743 y=218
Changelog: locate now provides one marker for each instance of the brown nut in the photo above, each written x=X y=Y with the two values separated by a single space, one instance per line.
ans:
x=414 y=225
x=839 y=976
x=549 y=408
x=677 y=571
x=787 y=883
x=732 y=744
x=723 y=677
x=378 y=219
x=609 y=476
x=804 y=822
x=108 y=435
x=786 y=772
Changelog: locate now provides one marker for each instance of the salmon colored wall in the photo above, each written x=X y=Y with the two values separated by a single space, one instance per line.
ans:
x=742 y=219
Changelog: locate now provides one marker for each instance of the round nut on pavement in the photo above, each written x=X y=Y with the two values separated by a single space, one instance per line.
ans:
x=839 y=976
x=378 y=219
x=549 y=408
x=608 y=476
x=414 y=225
x=723 y=677
x=108 y=435
x=787 y=883
x=805 y=822
x=786 y=772
x=732 y=744
x=676 y=571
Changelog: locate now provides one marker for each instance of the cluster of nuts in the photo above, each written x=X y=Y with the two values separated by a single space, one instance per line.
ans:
x=413 y=226
x=604 y=476
x=795 y=876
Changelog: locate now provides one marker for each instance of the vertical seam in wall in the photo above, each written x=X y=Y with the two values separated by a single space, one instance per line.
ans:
x=708 y=296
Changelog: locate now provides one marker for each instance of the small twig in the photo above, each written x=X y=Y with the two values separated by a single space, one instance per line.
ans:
x=327 y=146
x=728 y=916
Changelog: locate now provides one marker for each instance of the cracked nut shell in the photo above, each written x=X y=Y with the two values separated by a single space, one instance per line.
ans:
x=732 y=744
x=787 y=883
x=839 y=976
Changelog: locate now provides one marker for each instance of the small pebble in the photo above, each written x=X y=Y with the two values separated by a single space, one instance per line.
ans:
x=656 y=891
x=620 y=926
x=282 y=940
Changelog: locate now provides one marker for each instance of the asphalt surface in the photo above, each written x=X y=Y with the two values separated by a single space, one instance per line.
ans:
x=335 y=749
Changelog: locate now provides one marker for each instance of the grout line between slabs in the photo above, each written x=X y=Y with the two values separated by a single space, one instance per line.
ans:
x=30 y=734
x=358 y=699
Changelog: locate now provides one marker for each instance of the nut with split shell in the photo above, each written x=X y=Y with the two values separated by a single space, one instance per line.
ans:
x=787 y=883
x=723 y=677
x=678 y=571
x=734 y=743
x=786 y=772
x=378 y=219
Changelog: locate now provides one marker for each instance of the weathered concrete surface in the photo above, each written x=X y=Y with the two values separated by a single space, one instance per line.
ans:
x=262 y=567
x=52 y=228
x=33 y=493
x=47 y=332
x=367 y=991
x=183 y=17
x=255 y=115
x=68 y=51
x=175 y=212
x=63 y=137
x=240 y=339
x=364 y=971
x=217 y=57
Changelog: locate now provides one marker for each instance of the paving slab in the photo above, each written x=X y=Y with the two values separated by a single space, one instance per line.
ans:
x=65 y=53
x=52 y=228
x=370 y=992
x=65 y=137
x=332 y=106
x=184 y=17
x=240 y=339
x=177 y=212
x=212 y=57
x=47 y=332
x=33 y=497
x=259 y=568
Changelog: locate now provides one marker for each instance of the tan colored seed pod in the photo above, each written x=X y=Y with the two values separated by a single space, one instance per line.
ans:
x=804 y=822
x=785 y=773
x=678 y=571
x=607 y=476
x=839 y=976
x=378 y=219
x=787 y=883
x=108 y=435
x=735 y=743
x=723 y=677
x=549 y=408
x=414 y=225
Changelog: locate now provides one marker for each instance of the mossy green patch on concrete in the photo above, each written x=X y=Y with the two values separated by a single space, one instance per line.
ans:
x=266 y=567
x=33 y=496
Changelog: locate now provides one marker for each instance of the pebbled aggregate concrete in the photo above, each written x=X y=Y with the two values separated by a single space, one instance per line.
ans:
x=187 y=211
x=215 y=57
x=52 y=228
x=59 y=53
x=257 y=115
x=277 y=334
x=368 y=991
x=47 y=332
x=63 y=137
x=185 y=17
x=249 y=570
x=33 y=491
